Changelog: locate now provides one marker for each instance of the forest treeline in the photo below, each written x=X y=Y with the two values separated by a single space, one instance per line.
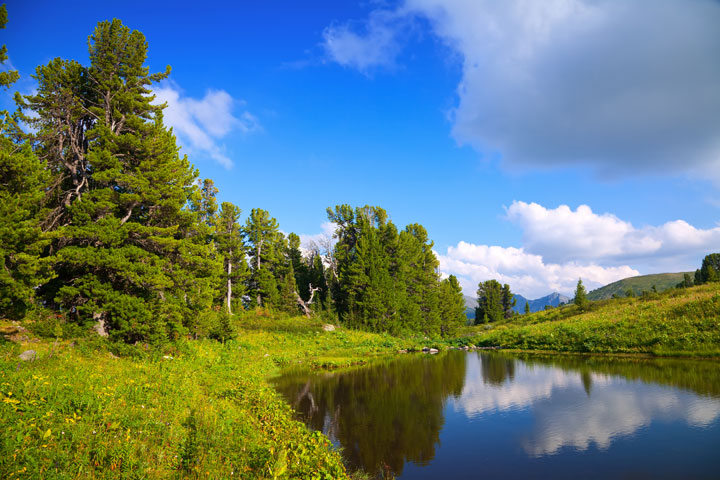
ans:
x=103 y=222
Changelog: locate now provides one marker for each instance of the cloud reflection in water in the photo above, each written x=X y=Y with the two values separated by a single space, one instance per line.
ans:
x=574 y=409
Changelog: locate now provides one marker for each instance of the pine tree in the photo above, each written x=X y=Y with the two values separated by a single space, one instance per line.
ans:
x=230 y=245
x=300 y=266
x=7 y=77
x=420 y=281
x=365 y=293
x=452 y=306
x=382 y=279
x=709 y=271
x=580 y=296
x=265 y=248
x=22 y=180
x=373 y=302
x=508 y=301
x=126 y=248
x=490 y=302
x=527 y=307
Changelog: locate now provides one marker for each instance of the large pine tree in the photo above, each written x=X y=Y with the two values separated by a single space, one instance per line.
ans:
x=126 y=245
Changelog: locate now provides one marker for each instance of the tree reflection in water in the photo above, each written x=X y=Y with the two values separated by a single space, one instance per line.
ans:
x=383 y=415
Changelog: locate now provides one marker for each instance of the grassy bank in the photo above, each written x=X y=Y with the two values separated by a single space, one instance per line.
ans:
x=678 y=322
x=86 y=408
x=194 y=409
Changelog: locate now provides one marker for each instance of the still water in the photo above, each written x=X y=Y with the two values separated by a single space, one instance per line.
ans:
x=477 y=414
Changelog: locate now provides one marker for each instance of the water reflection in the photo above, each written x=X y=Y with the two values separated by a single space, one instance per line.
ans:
x=574 y=408
x=510 y=412
x=383 y=416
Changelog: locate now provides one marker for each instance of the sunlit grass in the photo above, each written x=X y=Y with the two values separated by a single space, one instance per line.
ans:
x=194 y=409
x=87 y=408
x=676 y=322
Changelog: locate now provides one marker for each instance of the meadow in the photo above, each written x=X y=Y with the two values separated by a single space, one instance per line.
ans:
x=191 y=409
x=90 y=408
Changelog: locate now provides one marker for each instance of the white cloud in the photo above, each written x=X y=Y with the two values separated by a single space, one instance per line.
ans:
x=200 y=125
x=322 y=239
x=627 y=87
x=527 y=274
x=561 y=245
x=366 y=45
x=563 y=235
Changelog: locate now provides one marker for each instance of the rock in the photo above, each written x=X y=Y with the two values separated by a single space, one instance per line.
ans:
x=167 y=357
x=266 y=355
x=28 y=356
x=113 y=356
x=433 y=351
x=466 y=348
x=426 y=349
x=402 y=351
x=99 y=326
x=328 y=328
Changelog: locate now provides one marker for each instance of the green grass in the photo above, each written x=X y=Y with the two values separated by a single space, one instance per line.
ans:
x=90 y=409
x=678 y=322
x=640 y=284
x=207 y=412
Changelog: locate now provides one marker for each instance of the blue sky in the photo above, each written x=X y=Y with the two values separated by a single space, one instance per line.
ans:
x=537 y=142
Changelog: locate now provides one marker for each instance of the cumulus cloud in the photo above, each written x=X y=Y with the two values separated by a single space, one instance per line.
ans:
x=562 y=235
x=200 y=125
x=527 y=274
x=627 y=87
x=561 y=245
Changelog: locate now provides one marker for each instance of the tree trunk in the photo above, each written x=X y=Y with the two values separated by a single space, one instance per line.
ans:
x=257 y=272
x=306 y=305
x=99 y=326
x=229 y=284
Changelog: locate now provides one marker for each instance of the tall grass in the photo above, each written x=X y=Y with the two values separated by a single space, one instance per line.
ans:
x=192 y=409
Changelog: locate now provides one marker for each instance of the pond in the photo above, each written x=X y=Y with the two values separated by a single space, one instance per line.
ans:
x=489 y=414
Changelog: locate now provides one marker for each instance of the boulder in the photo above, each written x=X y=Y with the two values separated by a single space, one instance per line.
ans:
x=433 y=351
x=28 y=356
x=328 y=328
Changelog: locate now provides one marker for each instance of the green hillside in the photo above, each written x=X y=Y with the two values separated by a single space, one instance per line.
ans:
x=683 y=321
x=643 y=283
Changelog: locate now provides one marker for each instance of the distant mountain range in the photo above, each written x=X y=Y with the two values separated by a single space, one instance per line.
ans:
x=553 y=300
x=661 y=281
